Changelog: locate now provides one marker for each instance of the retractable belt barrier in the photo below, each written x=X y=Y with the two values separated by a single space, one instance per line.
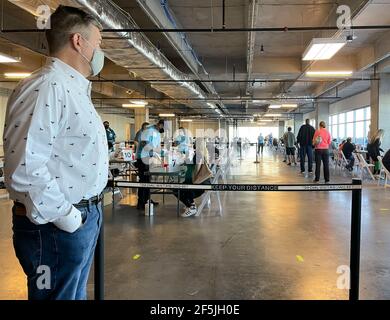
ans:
x=355 y=187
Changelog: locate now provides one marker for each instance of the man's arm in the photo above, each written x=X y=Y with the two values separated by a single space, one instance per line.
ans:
x=29 y=147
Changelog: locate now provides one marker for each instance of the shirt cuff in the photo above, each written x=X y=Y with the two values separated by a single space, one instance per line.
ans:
x=71 y=222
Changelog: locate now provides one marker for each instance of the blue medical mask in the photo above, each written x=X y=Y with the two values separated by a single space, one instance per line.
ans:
x=97 y=62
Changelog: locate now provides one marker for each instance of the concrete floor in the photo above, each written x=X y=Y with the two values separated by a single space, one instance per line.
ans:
x=265 y=246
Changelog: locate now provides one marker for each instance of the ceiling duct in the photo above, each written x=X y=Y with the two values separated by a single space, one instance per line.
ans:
x=132 y=50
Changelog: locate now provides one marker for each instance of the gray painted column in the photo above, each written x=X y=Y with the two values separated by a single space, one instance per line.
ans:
x=281 y=129
x=298 y=122
x=322 y=113
x=380 y=107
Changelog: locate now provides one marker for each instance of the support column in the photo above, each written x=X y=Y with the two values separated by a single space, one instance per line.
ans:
x=281 y=129
x=298 y=122
x=322 y=113
x=380 y=110
x=140 y=116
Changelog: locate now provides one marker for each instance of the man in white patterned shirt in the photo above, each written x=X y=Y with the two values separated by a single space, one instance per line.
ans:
x=56 y=160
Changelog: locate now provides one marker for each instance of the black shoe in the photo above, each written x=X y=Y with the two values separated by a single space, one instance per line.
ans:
x=284 y=160
x=316 y=181
x=289 y=164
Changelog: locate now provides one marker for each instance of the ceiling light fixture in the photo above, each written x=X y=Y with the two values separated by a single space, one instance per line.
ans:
x=139 y=102
x=329 y=73
x=275 y=106
x=323 y=48
x=272 y=115
x=166 y=115
x=17 y=75
x=290 y=105
x=4 y=58
x=133 y=105
x=185 y=120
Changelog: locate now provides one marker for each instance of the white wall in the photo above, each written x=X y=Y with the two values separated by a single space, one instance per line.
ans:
x=360 y=100
x=121 y=125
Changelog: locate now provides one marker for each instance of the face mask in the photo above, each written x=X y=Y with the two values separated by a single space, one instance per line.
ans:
x=97 y=62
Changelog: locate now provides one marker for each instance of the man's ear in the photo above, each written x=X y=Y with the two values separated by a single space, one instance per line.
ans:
x=76 y=41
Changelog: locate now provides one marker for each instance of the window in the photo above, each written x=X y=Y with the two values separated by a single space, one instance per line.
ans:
x=350 y=117
x=354 y=124
x=360 y=114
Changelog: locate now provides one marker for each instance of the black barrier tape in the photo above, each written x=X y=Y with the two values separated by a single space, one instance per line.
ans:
x=244 y=187
x=240 y=187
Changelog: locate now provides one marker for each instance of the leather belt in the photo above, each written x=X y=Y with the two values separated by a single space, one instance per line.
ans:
x=20 y=209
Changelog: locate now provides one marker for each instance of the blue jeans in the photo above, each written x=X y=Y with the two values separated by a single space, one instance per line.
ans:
x=66 y=258
x=306 y=150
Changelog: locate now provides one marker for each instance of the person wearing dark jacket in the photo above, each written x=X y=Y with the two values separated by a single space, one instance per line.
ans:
x=305 y=141
x=374 y=150
x=348 y=149
x=386 y=160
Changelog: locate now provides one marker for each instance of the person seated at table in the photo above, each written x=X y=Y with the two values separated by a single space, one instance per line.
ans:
x=348 y=149
x=187 y=197
x=386 y=160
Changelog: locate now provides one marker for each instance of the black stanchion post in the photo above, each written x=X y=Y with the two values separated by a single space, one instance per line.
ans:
x=99 y=261
x=355 y=241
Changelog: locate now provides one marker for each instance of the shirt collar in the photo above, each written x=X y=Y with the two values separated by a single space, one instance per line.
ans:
x=70 y=73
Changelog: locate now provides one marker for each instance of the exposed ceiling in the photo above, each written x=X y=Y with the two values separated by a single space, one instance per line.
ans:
x=277 y=71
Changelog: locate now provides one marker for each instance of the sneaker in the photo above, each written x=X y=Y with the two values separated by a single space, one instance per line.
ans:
x=284 y=160
x=316 y=181
x=289 y=164
x=189 y=212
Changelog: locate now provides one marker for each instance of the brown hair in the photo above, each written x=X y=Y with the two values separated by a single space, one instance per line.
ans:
x=322 y=124
x=65 y=21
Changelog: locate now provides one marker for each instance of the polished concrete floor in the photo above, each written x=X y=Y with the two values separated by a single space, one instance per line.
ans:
x=274 y=245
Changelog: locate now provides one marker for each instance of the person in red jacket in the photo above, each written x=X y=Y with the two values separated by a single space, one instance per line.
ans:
x=322 y=140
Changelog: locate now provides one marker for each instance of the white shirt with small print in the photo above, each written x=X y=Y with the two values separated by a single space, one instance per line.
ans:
x=55 y=145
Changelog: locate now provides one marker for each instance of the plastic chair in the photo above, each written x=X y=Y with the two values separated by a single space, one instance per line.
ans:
x=364 y=165
x=386 y=172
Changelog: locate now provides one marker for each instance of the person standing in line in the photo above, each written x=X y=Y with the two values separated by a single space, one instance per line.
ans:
x=386 y=160
x=260 y=143
x=374 y=149
x=305 y=141
x=56 y=161
x=322 y=140
x=289 y=140
x=111 y=136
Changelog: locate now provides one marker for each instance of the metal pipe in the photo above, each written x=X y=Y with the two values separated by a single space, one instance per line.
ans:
x=210 y=30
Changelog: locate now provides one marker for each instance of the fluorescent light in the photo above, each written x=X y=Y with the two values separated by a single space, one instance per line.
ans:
x=266 y=120
x=323 y=49
x=4 y=58
x=139 y=102
x=273 y=115
x=17 y=75
x=185 y=120
x=166 y=115
x=275 y=106
x=329 y=73
x=291 y=105
x=132 y=105
x=211 y=105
